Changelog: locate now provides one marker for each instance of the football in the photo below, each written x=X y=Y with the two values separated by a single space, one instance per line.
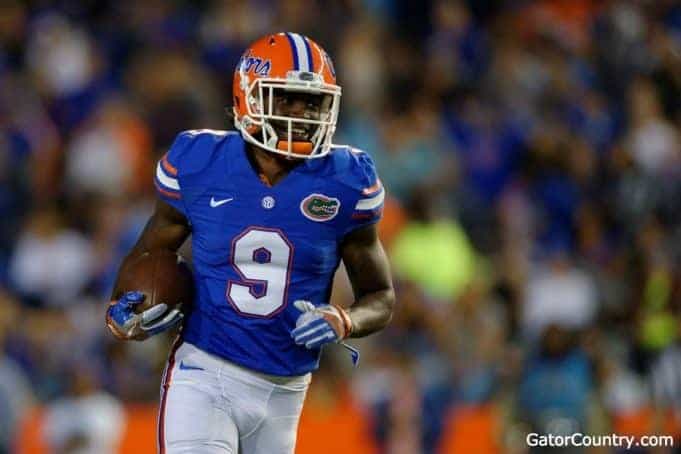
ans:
x=163 y=276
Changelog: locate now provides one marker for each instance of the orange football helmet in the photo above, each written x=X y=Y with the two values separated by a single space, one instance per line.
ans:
x=292 y=63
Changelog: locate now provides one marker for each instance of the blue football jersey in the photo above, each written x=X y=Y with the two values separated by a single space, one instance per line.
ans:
x=257 y=249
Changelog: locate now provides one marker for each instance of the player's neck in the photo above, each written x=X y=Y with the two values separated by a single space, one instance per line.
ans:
x=270 y=166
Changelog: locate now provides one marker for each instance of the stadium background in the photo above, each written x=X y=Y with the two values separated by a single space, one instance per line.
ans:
x=532 y=153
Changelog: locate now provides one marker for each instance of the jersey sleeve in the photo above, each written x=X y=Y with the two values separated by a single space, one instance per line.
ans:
x=367 y=206
x=167 y=174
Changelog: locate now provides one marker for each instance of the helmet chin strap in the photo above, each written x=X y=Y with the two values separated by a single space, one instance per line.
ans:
x=270 y=138
x=301 y=147
x=296 y=147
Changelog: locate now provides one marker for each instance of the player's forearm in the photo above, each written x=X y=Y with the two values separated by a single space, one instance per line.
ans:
x=166 y=229
x=134 y=253
x=369 y=273
x=372 y=312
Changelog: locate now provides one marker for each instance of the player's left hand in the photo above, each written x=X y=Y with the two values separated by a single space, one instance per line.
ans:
x=320 y=325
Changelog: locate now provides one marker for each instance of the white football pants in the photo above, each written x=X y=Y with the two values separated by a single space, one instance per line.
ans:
x=210 y=406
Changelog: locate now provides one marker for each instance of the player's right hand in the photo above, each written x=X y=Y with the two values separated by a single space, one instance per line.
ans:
x=125 y=324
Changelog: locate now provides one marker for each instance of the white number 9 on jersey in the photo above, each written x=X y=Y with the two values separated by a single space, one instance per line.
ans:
x=262 y=257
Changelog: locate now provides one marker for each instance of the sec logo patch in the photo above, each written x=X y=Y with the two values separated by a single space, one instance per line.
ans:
x=319 y=207
x=268 y=202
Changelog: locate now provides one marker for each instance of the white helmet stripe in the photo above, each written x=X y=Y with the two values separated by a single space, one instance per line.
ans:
x=304 y=57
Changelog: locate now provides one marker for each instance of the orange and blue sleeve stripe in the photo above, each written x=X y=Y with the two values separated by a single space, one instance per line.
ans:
x=369 y=207
x=166 y=180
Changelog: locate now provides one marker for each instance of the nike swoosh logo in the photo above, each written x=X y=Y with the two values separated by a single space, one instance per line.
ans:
x=183 y=367
x=216 y=203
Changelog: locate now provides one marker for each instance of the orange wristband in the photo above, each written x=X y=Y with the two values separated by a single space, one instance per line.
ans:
x=347 y=321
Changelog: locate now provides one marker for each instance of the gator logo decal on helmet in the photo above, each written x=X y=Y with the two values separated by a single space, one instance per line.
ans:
x=257 y=65
x=319 y=207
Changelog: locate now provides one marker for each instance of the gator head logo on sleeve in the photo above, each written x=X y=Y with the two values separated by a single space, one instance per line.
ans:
x=319 y=208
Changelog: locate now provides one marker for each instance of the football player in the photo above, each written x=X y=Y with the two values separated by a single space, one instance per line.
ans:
x=272 y=209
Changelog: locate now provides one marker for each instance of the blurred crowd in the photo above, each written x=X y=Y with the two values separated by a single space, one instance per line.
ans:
x=531 y=151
